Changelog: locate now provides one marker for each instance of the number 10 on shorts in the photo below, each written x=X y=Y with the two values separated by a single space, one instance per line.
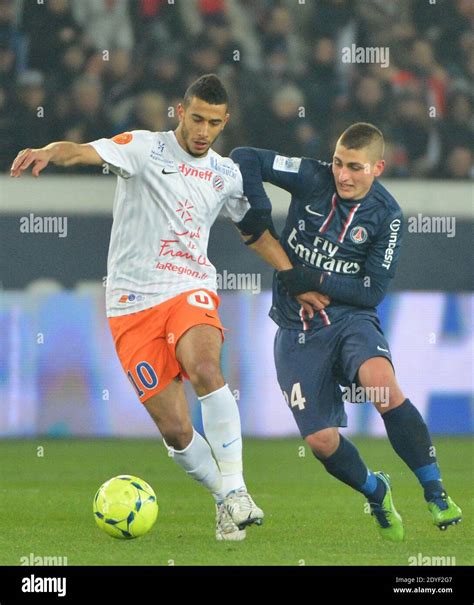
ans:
x=296 y=398
x=147 y=376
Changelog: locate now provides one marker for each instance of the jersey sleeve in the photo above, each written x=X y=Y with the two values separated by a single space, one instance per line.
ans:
x=262 y=165
x=383 y=255
x=125 y=153
x=236 y=204
x=355 y=291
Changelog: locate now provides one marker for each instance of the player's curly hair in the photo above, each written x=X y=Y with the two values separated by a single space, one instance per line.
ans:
x=208 y=88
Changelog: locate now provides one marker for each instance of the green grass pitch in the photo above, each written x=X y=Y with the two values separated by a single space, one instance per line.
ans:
x=311 y=519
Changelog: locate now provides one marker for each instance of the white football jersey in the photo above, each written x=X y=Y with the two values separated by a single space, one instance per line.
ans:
x=165 y=204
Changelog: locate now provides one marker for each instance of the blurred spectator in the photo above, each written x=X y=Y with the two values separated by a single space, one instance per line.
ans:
x=381 y=22
x=120 y=76
x=212 y=10
x=457 y=129
x=164 y=74
x=33 y=114
x=219 y=34
x=11 y=37
x=308 y=140
x=459 y=164
x=51 y=28
x=414 y=132
x=279 y=121
x=8 y=135
x=424 y=76
x=88 y=119
x=203 y=58
x=197 y=14
x=278 y=34
x=320 y=82
x=455 y=29
x=149 y=113
x=81 y=69
x=7 y=64
x=155 y=21
x=71 y=66
x=396 y=160
x=106 y=23
x=332 y=15
x=369 y=103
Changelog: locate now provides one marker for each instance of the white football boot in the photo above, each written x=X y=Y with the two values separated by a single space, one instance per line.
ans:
x=242 y=508
x=226 y=529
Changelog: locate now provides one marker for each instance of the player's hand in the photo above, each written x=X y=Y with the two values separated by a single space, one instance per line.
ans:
x=38 y=157
x=311 y=301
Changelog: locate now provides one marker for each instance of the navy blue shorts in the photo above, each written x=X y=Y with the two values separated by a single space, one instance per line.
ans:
x=311 y=365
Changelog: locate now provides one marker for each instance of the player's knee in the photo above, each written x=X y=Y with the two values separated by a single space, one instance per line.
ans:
x=376 y=372
x=177 y=437
x=205 y=374
x=323 y=443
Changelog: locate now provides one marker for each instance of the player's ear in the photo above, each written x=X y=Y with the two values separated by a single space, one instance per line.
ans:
x=226 y=119
x=180 y=110
x=379 y=167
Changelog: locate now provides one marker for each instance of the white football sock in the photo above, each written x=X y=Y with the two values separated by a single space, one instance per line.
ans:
x=221 y=422
x=197 y=461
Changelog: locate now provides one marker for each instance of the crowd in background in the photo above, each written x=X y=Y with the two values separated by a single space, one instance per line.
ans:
x=79 y=70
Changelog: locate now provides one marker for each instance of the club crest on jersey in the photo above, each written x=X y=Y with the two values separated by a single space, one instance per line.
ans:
x=157 y=152
x=358 y=235
x=201 y=299
x=218 y=183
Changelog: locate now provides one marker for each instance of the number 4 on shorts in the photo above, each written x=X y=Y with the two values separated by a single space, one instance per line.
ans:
x=296 y=398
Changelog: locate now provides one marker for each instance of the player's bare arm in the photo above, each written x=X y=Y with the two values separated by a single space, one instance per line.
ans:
x=257 y=166
x=62 y=153
x=272 y=252
x=259 y=233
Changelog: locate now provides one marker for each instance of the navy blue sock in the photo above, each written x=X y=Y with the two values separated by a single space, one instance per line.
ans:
x=346 y=465
x=409 y=436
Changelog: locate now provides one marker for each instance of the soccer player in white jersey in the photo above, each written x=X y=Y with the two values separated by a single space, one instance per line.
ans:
x=161 y=288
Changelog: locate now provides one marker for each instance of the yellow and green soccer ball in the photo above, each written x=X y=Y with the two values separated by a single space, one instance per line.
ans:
x=125 y=507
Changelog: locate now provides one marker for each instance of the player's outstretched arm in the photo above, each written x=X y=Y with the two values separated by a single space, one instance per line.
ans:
x=270 y=249
x=272 y=252
x=62 y=153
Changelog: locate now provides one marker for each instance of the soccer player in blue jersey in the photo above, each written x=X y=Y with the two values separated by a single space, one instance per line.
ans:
x=341 y=244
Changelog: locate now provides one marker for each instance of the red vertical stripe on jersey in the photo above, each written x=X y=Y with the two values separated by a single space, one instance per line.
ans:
x=305 y=323
x=352 y=211
x=324 y=226
x=324 y=317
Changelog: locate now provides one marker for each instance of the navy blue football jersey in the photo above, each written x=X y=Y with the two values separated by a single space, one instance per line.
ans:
x=356 y=243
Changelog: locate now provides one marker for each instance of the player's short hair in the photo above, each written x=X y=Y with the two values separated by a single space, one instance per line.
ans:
x=207 y=88
x=363 y=134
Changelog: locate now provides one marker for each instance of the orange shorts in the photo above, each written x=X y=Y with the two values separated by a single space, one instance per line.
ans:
x=146 y=341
